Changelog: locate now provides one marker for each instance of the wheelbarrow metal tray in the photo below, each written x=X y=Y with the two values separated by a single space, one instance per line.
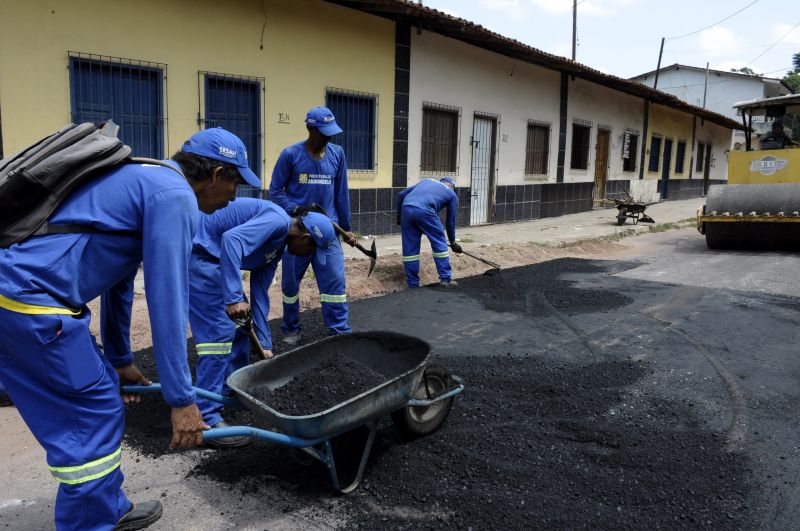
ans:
x=399 y=357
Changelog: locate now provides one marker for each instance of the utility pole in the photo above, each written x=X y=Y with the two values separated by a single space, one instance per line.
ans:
x=658 y=68
x=574 y=26
x=705 y=87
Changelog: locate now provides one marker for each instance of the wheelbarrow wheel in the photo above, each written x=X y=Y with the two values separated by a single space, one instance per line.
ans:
x=418 y=421
x=621 y=217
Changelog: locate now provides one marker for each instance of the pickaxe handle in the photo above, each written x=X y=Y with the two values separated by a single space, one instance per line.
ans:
x=372 y=253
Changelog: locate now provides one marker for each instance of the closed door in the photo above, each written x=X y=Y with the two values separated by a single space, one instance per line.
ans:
x=601 y=165
x=483 y=133
x=666 y=168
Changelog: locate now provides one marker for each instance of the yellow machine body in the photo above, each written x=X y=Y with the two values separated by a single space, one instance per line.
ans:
x=768 y=166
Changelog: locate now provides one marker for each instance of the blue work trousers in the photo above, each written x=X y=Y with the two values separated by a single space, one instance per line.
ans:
x=68 y=394
x=414 y=222
x=222 y=347
x=332 y=293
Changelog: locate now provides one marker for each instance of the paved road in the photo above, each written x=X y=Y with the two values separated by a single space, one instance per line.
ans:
x=656 y=390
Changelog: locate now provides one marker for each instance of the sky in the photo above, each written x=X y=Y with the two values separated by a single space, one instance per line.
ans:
x=622 y=37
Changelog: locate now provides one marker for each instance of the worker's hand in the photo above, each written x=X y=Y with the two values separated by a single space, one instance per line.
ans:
x=187 y=427
x=350 y=239
x=267 y=353
x=456 y=248
x=238 y=311
x=131 y=374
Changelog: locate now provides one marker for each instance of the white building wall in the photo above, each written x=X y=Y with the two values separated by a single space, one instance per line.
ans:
x=449 y=72
x=719 y=138
x=607 y=109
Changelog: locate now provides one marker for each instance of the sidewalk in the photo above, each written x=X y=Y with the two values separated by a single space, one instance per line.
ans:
x=555 y=232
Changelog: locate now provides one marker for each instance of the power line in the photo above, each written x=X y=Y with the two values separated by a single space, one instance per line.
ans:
x=715 y=23
x=773 y=44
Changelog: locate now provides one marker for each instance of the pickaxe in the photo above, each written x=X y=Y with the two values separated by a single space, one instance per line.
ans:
x=372 y=252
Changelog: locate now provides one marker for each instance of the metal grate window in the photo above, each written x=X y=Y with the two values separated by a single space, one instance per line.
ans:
x=655 y=153
x=439 y=138
x=680 y=155
x=355 y=113
x=580 y=146
x=537 y=148
x=701 y=149
x=128 y=91
x=630 y=145
x=236 y=104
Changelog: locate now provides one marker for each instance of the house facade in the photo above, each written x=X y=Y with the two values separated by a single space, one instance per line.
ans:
x=718 y=93
x=419 y=94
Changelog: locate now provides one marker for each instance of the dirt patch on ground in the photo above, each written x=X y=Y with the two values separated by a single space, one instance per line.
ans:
x=388 y=276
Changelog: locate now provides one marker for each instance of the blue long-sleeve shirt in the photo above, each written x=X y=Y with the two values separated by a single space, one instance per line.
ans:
x=432 y=195
x=69 y=270
x=248 y=234
x=298 y=180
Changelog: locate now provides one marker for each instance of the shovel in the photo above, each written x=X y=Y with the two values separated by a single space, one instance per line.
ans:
x=251 y=333
x=495 y=267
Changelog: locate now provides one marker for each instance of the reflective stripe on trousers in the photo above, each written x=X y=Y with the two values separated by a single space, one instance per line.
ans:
x=92 y=470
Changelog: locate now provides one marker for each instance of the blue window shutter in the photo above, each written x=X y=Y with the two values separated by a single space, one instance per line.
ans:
x=130 y=95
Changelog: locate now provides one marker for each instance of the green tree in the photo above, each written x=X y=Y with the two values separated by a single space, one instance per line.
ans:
x=744 y=70
x=792 y=78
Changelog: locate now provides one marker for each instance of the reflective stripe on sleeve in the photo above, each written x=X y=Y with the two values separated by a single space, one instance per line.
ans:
x=205 y=349
x=92 y=470
x=325 y=297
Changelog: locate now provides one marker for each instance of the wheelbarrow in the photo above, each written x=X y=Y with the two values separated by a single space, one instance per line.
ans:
x=628 y=208
x=417 y=396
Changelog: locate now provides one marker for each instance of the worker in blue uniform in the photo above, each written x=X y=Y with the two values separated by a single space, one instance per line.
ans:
x=64 y=386
x=5 y=400
x=249 y=234
x=418 y=209
x=314 y=172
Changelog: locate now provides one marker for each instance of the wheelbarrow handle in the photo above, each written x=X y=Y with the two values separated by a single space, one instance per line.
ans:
x=208 y=395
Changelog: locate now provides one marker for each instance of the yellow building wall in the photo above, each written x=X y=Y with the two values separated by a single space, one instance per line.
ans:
x=307 y=46
x=669 y=124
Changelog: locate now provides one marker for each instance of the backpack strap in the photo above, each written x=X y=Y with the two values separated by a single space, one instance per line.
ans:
x=74 y=228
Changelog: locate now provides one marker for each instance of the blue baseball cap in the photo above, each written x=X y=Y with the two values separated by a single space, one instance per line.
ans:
x=221 y=145
x=448 y=180
x=321 y=229
x=323 y=119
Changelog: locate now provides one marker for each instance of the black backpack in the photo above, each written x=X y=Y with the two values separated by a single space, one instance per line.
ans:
x=35 y=181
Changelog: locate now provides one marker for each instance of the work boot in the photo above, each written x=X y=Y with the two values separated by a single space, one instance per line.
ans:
x=292 y=338
x=238 y=441
x=5 y=400
x=140 y=515
x=448 y=284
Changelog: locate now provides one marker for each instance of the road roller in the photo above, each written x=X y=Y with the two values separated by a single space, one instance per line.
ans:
x=759 y=208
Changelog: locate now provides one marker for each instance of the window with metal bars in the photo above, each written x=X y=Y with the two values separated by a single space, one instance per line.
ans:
x=580 y=146
x=537 y=148
x=629 y=162
x=655 y=153
x=701 y=149
x=439 y=139
x=355 y=113
x=680 y=155
x=235 y=103
x=130 y=92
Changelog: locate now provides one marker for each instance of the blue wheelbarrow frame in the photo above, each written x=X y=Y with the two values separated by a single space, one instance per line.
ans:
x=403 y=356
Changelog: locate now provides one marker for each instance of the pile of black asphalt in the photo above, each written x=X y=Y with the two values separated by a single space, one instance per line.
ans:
x=575 y=415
